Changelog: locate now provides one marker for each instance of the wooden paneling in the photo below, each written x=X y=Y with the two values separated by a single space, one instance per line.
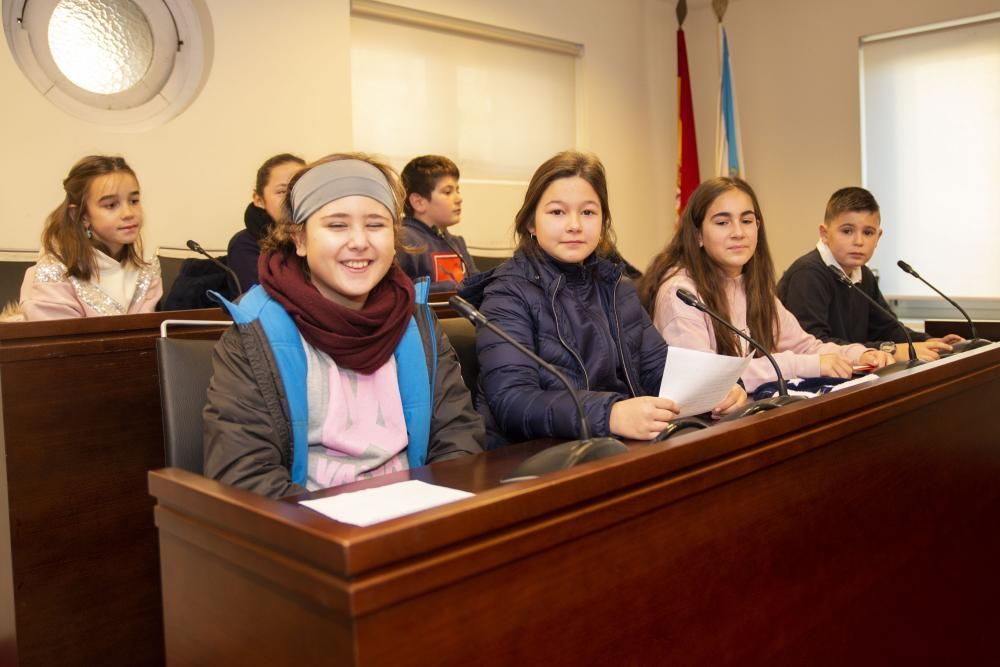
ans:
x=81 y=426
x=856 y=528
x=988 y=329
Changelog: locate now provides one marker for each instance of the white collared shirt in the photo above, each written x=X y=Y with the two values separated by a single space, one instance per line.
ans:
x=830 y=260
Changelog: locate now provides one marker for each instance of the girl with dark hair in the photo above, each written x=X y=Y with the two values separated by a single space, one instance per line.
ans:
x=720 y=254
x=563 y=296
x=260 y=215
x=91 y=262
x=336 y=369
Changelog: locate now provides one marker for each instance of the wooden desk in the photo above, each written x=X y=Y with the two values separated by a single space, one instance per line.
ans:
x=79 y=429
x=857 y=528
x=988 y=329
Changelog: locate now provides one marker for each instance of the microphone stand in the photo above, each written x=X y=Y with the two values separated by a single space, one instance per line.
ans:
x=557 y=457
x=963 y=346
x=757 y=406
x=195 y=246
x=899 y=365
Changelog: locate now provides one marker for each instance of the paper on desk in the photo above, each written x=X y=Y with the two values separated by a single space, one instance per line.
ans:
x=697 y=380
x=381 y=503
x=864 y=379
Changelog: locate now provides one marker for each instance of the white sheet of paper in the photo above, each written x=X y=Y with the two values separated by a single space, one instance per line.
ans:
x=381 y=503
x=697 y=380
x=863 y=379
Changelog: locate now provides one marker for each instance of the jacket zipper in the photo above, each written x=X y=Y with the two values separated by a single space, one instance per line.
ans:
x=618 y=325
x=555 y=318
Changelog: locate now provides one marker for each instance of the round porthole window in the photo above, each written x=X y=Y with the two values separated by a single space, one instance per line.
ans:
x=130 y=64
x=103 y=46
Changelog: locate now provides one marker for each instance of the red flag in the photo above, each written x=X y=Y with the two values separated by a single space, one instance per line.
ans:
x=688 y=176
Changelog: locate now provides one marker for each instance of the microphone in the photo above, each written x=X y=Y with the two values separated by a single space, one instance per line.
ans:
x=757 y=406
x=195 y=246
x=557 y=457
x=842 y=277
x=958 y=347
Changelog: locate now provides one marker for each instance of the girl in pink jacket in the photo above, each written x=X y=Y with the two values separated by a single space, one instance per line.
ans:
x=91 y=262
x=720 y=254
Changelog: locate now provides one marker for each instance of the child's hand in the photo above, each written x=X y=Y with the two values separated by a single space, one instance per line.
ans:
x=926 y=351
x=950 y=339
x=641 y=418
x=736 y=397
x=835 y=366
x=876 y=359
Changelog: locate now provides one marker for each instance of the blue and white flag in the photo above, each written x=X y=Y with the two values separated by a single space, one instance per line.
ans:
x=728 y=146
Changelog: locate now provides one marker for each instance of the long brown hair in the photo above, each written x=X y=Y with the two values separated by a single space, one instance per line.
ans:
x=684 y=252
x=565 y=165
x=264 y=171
x=64 y=236
x=281 y=237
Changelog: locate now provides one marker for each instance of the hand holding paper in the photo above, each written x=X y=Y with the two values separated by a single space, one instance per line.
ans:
x=697 y=380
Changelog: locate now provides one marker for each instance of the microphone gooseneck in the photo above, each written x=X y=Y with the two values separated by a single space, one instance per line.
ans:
x=196 y=247
x=758 y=406
x=560 y=456
x=844 y=280
x=469 y=312
x=693 y=301
x=968 y=345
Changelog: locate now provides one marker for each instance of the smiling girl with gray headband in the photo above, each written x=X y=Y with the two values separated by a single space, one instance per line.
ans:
x=337 y=369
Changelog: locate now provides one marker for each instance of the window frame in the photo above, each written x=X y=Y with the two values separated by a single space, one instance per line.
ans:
x=181 y=56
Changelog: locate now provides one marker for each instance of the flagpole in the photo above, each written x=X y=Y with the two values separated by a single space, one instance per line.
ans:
x=728 y=141
x=688 y=173
x=721 y=147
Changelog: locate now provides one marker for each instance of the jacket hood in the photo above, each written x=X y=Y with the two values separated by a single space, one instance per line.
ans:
x=257 y=221
x=473 y=288
x=542 y=271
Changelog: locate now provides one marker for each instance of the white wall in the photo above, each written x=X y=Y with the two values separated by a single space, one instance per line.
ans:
x=280 y=81
x=796 y=73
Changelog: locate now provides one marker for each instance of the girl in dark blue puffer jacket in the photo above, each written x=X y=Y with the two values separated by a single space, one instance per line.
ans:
x=563 y=296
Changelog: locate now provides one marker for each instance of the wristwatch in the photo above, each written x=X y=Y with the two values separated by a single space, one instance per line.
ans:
x=888 y=347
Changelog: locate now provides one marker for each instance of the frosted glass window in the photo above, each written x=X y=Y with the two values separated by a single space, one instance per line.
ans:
x=104 y=46
x=931 y=144
x=498 y=110
x=123 y=64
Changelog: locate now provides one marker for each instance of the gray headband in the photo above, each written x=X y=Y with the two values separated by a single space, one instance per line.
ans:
x=334 y=180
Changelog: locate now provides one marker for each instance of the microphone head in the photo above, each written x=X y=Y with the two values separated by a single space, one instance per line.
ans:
x=841 y=276
x=906 y=267
x=688 y=298
x=466 y=310
x=193 y=245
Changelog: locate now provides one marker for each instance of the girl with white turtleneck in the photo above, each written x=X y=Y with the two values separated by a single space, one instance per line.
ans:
x=91 y=262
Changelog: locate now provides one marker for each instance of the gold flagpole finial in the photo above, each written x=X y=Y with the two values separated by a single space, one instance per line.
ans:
x=720 y=8
x=682 y=12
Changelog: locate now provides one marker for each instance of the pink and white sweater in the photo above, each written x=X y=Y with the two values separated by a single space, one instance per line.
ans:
x=796 y=351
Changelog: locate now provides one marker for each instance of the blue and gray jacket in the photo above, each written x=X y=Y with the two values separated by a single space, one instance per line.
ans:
x=256 y=420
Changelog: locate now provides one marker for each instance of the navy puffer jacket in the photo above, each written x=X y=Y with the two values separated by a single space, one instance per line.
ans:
x=529 y=298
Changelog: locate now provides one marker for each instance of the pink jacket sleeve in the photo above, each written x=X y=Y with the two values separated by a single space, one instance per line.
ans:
x=685 y=326
x=798 y=355
x=795 y=339
x=153 y=296
x=679 y=323
x=49 y=300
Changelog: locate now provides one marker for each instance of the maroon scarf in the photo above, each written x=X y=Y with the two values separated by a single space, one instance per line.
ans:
x=362 y=340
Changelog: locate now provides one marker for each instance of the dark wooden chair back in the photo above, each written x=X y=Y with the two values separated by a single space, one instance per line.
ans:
x=185 y=369
x=462 y=335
